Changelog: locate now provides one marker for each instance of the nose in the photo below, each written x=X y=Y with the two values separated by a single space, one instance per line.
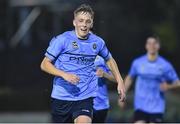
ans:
x=84 y=24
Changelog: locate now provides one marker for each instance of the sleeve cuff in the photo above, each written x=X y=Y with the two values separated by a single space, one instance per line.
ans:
x=108 y=56
x=50 y=56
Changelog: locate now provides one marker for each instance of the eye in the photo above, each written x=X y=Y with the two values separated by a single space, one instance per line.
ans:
x=80 y=20
x=88 y=21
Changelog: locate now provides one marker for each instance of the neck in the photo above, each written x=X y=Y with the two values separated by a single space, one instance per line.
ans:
x=152 y=57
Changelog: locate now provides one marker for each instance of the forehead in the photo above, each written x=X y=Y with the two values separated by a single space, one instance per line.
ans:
x=151 y=40
x=83 y=15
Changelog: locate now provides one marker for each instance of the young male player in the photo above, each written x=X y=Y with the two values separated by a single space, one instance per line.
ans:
x=101 y=101
x=70 y=58
x=154 y=75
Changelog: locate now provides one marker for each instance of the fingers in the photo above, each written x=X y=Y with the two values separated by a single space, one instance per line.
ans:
x=121 y=92
x=99 y=72
x=122 y=96
x=74 y=79
x=163 y=87
x=121 y=104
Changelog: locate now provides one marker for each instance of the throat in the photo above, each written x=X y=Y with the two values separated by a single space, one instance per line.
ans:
x=152 y=57
x=82 y=38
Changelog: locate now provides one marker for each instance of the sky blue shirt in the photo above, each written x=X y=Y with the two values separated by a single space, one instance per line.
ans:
x=76 y=56
x=102 y=100
x=149 y=75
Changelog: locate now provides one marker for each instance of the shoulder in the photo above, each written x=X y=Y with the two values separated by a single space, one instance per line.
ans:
x=139 y=59
x=61 y=37
x=96 y=38
x=164 y=62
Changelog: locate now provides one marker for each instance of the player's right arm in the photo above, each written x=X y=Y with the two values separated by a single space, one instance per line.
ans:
x=48 y=67
x=56 y=47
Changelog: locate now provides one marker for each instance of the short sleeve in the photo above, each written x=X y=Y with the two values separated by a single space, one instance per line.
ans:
x=107 y=68
x=170 y=74
x=133 y=70
x=55 y=48
x=104 y=52
x=99 y=62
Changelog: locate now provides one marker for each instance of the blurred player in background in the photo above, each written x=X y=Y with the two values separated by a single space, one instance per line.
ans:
x=101 y=102
x=70 y=58
x=154 y=75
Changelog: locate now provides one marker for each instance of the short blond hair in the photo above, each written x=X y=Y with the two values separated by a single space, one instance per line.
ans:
x=84 y=8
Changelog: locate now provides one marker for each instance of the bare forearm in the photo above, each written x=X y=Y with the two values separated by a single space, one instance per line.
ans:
x=109 y=77
x=174 y=85
x=48 y=67
x=128 y=82
x=115 y=71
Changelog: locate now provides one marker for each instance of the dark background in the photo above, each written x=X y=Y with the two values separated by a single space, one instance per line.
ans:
x=123 y=24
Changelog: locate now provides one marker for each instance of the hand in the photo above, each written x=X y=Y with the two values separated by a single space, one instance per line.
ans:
x=100 y=72
x=164 y=86
x=72 y=78
x=121 y=92
x=121 y=104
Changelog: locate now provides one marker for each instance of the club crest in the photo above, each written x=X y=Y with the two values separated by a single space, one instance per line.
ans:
x=74 y=45
x=94 y=46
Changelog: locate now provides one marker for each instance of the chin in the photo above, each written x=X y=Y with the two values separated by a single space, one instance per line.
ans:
x=83 y=35
x=153 y=53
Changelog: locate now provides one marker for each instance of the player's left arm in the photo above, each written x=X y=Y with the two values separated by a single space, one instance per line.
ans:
x=171 y=79
x=170 y=86
x=109 y=77
x=101 y=73
x=111 y=63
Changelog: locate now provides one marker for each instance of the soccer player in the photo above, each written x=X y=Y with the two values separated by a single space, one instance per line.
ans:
x=70 y=58
x=101 y=102
x=154 y=75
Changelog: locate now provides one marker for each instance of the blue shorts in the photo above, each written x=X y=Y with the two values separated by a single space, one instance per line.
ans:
x=66 y=111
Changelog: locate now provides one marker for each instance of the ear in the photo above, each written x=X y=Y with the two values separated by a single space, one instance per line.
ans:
x=92 y=25
x=74 y=23
x=159 y=46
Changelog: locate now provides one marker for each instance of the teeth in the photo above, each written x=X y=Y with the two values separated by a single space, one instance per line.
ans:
x=83 y=29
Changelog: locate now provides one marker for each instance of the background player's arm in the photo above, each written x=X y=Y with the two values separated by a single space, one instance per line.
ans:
x=115 y=71
x=171 y=76
x=101 y=73
x=47 y=66
x=128 y=82
x=166 y=86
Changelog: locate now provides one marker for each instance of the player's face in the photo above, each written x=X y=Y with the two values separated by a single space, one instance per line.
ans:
x=152 y=46
x=82 y=22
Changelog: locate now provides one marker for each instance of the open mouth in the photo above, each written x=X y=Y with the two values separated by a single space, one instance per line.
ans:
x=83 y=30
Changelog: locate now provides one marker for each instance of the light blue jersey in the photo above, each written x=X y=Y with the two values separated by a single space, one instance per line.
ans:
x=150 y=74
x=76 y=56
x=102 y=100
